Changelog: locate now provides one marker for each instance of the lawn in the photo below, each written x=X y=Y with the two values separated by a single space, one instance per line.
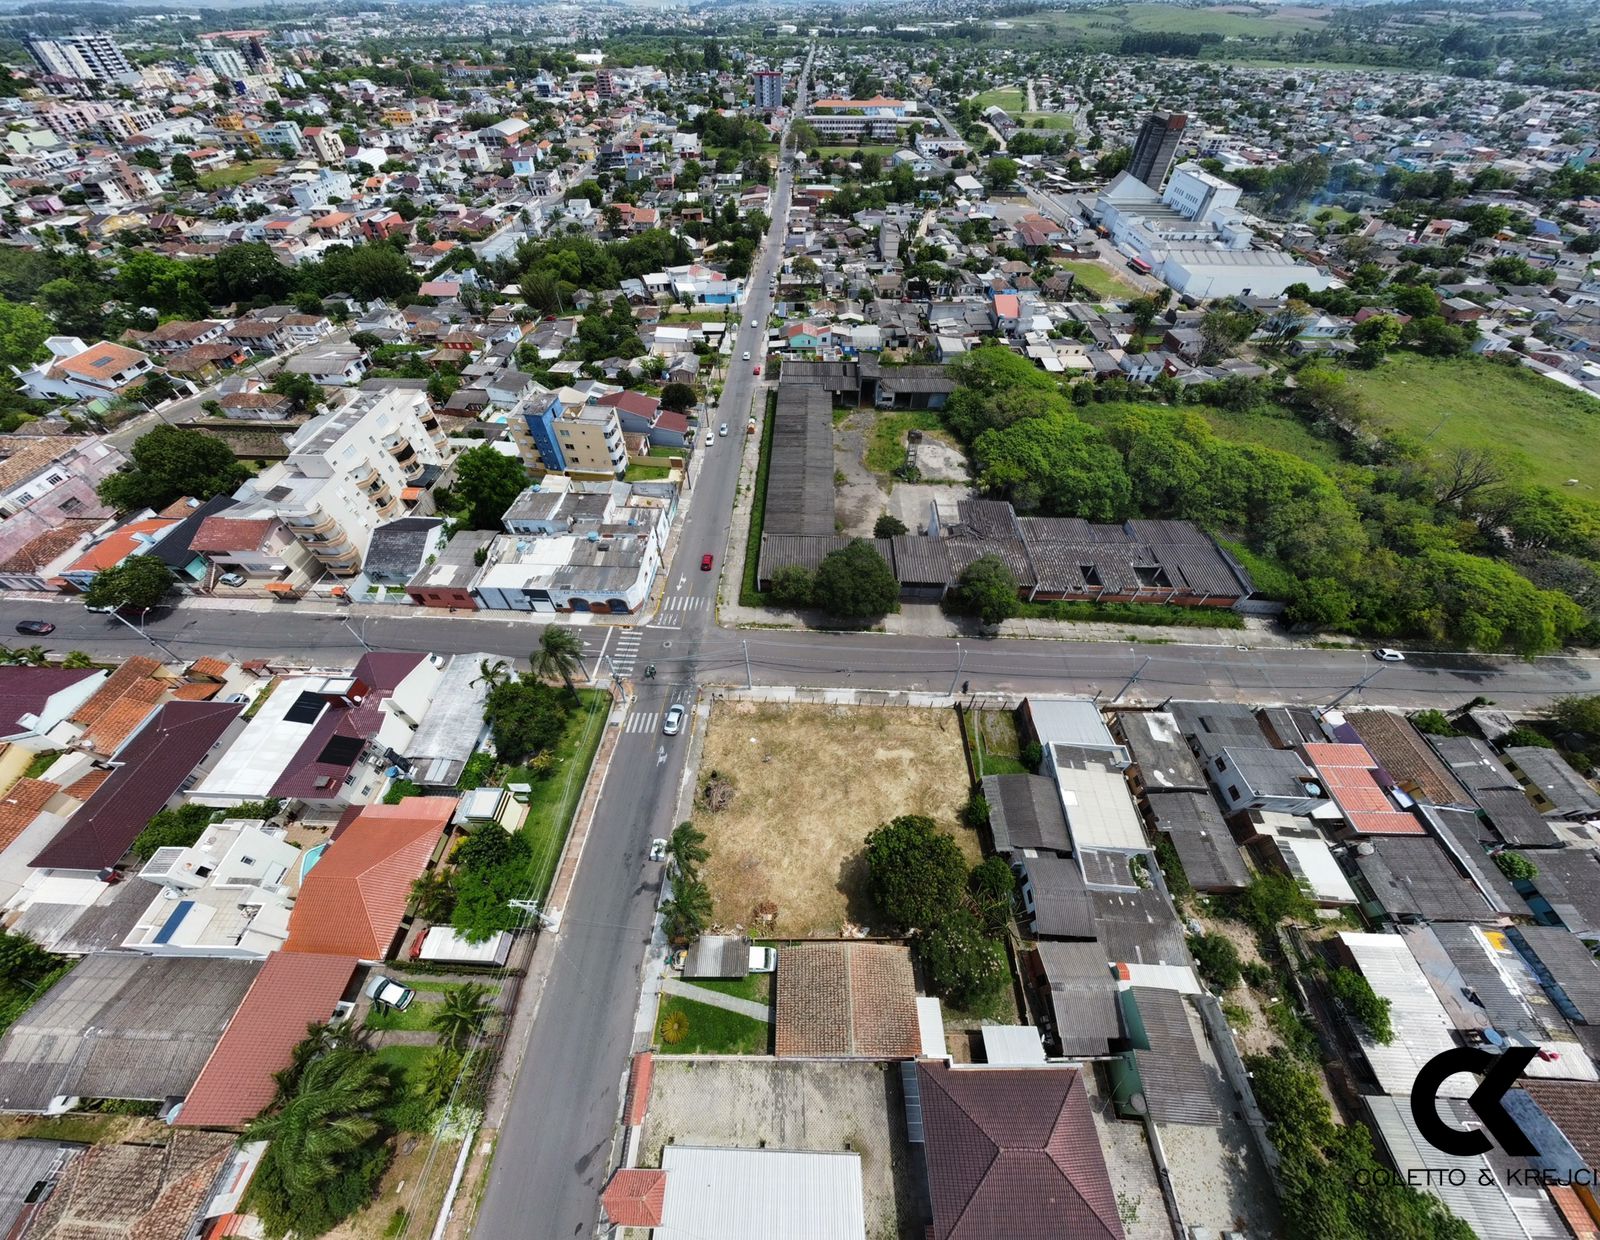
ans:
x=850 y=152
x=1099 y=281
x=552 y=800
x=756 y=987
x=1052 y=120
x=886 y=451
x=237 y=174
x=995 y=745
x=711 y=1030
x=661 y=452
x=1006 y=98
x=647 y=473
x=1229 y=22
x=1548 y=433
x=808 y=784
x=417 y=1017
x=408 y=1059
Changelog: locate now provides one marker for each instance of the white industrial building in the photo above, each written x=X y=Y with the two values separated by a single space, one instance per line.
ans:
x=1196 y=239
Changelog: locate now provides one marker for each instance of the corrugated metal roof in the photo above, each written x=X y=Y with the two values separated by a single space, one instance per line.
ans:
x=1571 y=966
x=1177 y=1082
x=1191 y=820
x=1025 y=812
x=1417 y=878
x=1083 y=996
x=732 y=1194
x=1421 y=1027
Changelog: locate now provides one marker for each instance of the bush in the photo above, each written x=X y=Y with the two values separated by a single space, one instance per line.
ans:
x=963 y=965
x=1178 y=885
x=915 y=872
x=1259 y=976
x=1355 y=993
x=674 y=1027
x=1515 y=866
x=791 y=586
x=1524 y=735
x=1269 y=901
x=1434 y=723
x=173 y=828
x=855 y=583
x=1217 y=959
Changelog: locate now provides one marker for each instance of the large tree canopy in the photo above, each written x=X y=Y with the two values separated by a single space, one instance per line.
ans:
x=168 y=464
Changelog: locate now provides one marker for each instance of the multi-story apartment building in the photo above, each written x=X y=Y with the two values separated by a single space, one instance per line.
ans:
x=347 y=472
x=224 y=62
x=89 y=56
x=581 y=440
x=326 y=144
x=768 y=90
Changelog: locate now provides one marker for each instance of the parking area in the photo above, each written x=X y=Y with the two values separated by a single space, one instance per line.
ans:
x=798 y=1105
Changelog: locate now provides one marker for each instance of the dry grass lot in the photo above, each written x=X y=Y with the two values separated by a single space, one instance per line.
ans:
x=809 y=783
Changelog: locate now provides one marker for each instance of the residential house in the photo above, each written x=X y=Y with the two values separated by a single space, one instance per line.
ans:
x=78 y=371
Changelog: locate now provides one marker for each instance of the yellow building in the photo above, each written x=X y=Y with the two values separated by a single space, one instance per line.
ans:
x=399 y=116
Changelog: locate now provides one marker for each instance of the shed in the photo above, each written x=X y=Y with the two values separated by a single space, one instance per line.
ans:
x=717 y=955
x=1025 y=814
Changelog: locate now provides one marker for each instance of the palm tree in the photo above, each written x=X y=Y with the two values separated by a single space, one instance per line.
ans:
x=560 y=655
x=461 y=1014
x=433 y=895
x=321 y=1126
x=440 y=1071
x=684 y=916
x=492 y=672
x=36 y=656
x=687 y=849
x=77 y=660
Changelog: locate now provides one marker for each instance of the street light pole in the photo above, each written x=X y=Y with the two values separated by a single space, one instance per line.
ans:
x=139 y=629
x=1358 y=686
x=961 y=659
x=749 y=679
x=1132 y=680
x=358 y=636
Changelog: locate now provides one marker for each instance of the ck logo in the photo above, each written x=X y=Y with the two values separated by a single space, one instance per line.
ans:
x=1500 y=1073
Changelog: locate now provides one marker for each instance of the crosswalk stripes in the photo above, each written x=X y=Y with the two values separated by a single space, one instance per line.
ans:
x=683 y=603
x=626 y=653
x=642 y=721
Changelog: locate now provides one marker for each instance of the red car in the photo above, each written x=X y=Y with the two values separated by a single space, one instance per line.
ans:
x=756 y=371
x=705 y=564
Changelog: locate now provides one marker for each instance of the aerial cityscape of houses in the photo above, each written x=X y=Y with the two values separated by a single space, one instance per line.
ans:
x=1033 y=531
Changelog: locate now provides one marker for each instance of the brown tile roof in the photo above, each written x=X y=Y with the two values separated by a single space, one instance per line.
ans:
x=847 y=999
x=225 y=534
x=181 y=507
x=1400 y=750
x=50 y=545
x=636 y=1197
x=206 y=665
x=197 y=691
x=351 y=904
x=31 y=456
x=84 y=788
x=139 y=1192
x=151 y=769
x=99 y=361
x=1573 y=1107
x=1013 y=1152
x=640 y=1074
x=125 y=716
x=21 y=805
x=132 y=671
x=292 y=991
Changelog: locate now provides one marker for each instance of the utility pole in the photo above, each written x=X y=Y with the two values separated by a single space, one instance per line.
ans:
x=358 y=636
x=961 y=658
x=1132 y=680
x=1358 y=686
x=139 y=629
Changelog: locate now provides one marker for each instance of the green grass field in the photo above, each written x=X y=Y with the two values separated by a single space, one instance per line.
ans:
x=1547 y=433
x=1275 y=429
x=1052 y=120
x=553 y=800
x=1229 y=22
x=647 y=473
x=1008 y=98
x=1099 y=281
x=887 y=449
x=237 y=174
x=711 y=1030
x=756 y=987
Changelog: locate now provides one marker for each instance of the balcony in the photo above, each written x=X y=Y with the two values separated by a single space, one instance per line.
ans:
x=311 y=526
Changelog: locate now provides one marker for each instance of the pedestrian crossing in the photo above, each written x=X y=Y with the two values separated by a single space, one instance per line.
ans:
x=642 y=721
x=683 y=603
x=626 y=652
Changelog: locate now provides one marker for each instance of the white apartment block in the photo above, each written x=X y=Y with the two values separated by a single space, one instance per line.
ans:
x=90 y=56
x=349 y=471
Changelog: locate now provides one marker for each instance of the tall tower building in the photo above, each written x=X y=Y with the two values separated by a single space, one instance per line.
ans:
x=1158 y=143
x=89 y=56
x=769 y=90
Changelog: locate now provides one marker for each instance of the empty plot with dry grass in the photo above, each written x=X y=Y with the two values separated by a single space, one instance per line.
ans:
x=803 y=787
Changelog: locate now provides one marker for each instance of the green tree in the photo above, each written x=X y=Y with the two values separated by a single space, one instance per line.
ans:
x=889 y=526
x=140 y=581
x=461 y=1014
x=441 y=1069
x=855 y=583
x=1055 y=464
x=1515 y=866
x=173 y=828
x=433 y=894
x=525 y=717
x=915 y=872
x=686 y=848
x=1217 y=959
x=559 y=656
x=1381 y=330
x=963 y=965
x=992 y=886
x=302 y=390
x=678 y=397
x=23 y=330
x=988 y=590
x=325 y=1153
x=791 y=586
x=489 y=482
x=1222 y=330
x=1363 y=1003
x=1001 y=173
x=167 y=463
x=241 y=272
x=183 y=170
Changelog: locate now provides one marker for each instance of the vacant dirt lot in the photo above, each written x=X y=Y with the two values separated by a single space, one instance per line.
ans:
x=809 y=783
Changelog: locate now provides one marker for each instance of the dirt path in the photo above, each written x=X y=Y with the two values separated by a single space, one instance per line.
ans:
x=859 y=501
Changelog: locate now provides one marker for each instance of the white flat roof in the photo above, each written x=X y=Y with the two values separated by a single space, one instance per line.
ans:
x=729 y=1194
x=257 y=758
x=1099 y=810
x=1012 y=1044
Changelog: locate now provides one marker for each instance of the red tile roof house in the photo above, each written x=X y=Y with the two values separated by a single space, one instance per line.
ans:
x=152 y=770
x=1013 y=1152
x=353 y=901
x=293 y=990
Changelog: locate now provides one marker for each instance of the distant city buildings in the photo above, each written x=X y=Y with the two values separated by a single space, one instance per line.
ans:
x=89 y=56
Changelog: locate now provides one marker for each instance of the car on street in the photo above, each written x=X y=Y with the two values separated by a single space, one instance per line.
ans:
x=710 y=439
x=705 y=563
x=757 y=370
x=673 y=723
x=755 y=322
x=232 y=579
x=1388 y=655
x=386 y=992
x=36 y=628
x=99 y=611
x=747 y=355
x=658 y=849
x=723 y=429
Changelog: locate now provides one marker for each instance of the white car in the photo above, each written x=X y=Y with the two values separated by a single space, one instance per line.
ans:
x=386 y=992
x=658 y=849
x=710 y=439
x=1388 y=655
x=673 y=723
x=747 y=355
x=723 y=429
x=763 y=959
x=755 y=322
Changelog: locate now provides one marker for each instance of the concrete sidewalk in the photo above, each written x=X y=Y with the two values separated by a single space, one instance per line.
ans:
x=716 y=999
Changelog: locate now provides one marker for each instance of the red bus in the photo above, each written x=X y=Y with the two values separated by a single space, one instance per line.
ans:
x=1139 y=265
